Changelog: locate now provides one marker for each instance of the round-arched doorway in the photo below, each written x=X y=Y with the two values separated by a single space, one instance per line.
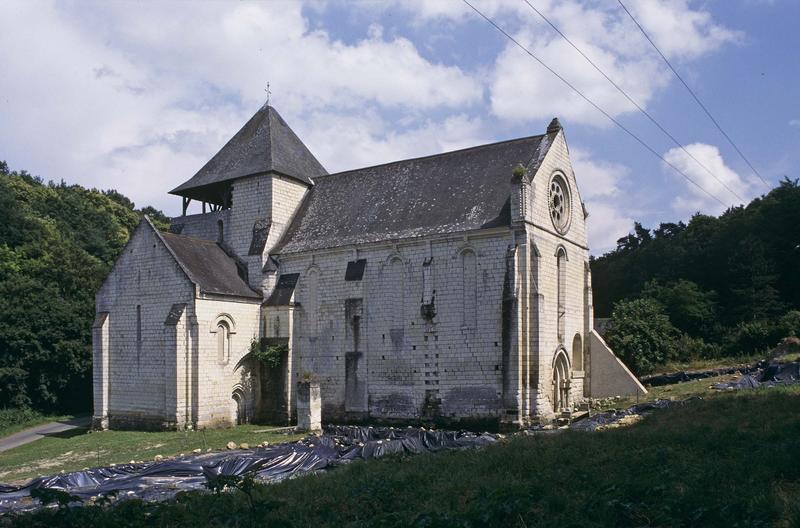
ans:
x=238 y=412
x=561 y=383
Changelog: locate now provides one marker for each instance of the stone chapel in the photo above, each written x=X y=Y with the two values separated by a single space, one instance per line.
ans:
x=454 y=287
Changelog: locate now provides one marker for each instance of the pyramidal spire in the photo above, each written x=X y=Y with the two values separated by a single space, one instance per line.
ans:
x=264 y=144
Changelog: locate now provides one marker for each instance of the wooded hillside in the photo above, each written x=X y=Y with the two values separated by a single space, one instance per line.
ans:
x=57 y=243
x=729 y=280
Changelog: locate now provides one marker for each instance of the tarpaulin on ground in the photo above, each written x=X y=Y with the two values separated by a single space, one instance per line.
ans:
x=163 y=479
x=606 y=418
x=773 y=374
x=658 y=380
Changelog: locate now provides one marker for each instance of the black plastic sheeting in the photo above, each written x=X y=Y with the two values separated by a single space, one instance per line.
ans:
x=162 y=480
x=772 y=375
x=658 y=380
x=601 y=419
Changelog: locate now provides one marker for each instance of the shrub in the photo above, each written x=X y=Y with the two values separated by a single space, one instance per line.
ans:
x=13 y=417
x=753 y=336
x=789 y=324
x=688 y=348
x=642 y=335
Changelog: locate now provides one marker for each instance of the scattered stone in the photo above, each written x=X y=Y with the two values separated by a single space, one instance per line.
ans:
x=158 y=458
x=197 y=451
x=132 y=461
x=548 y=427
x=231 y=445
x=208 y=450
x=625 y=421
x=244 y=445
x=264 y=444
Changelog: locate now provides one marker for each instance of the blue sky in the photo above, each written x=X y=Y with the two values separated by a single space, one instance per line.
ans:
x=137 y=96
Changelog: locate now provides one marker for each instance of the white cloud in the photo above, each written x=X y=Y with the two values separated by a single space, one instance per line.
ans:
x=597 y=178
x=523 y=90
x=680 y=31
x=794 y=123
x=602 y=186
x=694 y=199
x=113 y=95
x=331 y=136
x=606 y=224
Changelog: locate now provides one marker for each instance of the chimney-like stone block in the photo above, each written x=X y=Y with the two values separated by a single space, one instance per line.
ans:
x=309 y=406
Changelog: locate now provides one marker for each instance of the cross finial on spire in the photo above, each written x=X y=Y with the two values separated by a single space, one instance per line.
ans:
x=268 y=92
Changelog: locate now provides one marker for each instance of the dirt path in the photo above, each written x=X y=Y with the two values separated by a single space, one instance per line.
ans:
x=34 y=433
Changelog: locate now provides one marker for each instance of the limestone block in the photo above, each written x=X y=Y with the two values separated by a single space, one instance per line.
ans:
x=309 y=406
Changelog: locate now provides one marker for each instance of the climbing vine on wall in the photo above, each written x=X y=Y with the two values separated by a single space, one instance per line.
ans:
x=269 y=354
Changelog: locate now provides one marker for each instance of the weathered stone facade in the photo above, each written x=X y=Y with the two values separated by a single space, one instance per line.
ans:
x=461 y=312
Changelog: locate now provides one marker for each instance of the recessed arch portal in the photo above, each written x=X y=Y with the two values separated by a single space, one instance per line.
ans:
x=561 y=382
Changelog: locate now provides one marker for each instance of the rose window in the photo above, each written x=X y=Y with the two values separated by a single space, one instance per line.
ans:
x=559 y=204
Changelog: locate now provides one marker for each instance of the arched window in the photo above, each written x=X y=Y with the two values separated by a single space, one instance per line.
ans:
x=469 y=276
x=312 y=293
x=577 y=353
x=561 y=256
x=223 y=342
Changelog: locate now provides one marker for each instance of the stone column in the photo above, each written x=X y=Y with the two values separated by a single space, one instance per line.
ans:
x=309 y=406
x=100 y=374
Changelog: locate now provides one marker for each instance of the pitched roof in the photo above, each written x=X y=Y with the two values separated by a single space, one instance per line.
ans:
x=264 y=144
x=207 y=265
x=456 y=191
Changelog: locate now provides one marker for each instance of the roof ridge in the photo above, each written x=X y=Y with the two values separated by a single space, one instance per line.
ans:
x=269 y=110
x=418 y=158
x=160 y=236
x=188 y=237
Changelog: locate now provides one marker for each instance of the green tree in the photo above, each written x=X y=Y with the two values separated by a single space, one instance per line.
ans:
x=641 y=334
x=57 y=243
x=689 y=308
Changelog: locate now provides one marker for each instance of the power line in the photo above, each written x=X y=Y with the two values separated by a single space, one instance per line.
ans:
x=694 y=95
x=585 y=98
x=630 y=99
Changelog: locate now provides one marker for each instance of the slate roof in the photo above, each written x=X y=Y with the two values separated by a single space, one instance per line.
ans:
x=264 y=144
x=207 y=265
x=283 y=291
x=452 y=192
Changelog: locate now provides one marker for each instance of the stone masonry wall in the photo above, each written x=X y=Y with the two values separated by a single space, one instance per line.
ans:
x=145 y=275
x=544 y=281
x=374 y=351
x=218 y=379
x=251 y=203
x=202 y=225
x=287 y=195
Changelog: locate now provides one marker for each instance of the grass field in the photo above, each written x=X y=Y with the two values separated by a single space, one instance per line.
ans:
x=79 y=448
x=677 y=391
x=708 y=363
x=727 y=460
